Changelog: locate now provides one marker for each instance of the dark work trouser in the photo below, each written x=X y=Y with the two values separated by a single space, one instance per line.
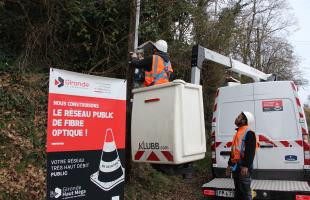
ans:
x=242 y=186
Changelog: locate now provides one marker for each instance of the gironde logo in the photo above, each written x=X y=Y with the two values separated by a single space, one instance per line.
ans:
x=59 y=82
x=55 y=194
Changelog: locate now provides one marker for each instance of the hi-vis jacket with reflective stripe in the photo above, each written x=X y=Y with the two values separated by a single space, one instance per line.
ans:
x=158 y=70
x=237 y=151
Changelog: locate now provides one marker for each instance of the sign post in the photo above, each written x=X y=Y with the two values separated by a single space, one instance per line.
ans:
x=85 y=137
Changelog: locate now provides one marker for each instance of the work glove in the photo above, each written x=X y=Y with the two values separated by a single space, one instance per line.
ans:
x=244 y=171
x=133 y=55
x=140 y=56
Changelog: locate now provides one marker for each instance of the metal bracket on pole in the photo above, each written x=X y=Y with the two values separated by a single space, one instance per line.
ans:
x=198 y=56
x=231 y=62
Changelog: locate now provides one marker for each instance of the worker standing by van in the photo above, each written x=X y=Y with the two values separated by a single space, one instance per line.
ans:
x=157 y=68
x=242 y=155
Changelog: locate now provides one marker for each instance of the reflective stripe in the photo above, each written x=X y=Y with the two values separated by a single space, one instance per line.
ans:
x=243 y=142
x=240 y=141
x=155 y=66
x=236 y=148
x=165 y=76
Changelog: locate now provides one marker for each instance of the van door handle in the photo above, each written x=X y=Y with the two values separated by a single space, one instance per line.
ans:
x=266 y=146
x=225 y=153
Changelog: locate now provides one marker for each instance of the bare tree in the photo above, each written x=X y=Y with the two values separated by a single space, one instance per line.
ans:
x=259 y=39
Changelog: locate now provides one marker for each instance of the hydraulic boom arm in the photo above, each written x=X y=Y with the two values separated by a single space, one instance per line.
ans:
x=199 y=54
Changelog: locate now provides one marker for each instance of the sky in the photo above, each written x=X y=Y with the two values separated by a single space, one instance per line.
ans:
x=301 y=42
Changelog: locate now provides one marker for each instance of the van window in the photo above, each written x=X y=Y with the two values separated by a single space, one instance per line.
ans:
x=228 y=113
x=276 y=118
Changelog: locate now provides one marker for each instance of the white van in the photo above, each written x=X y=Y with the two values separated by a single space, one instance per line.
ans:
x=282 y=162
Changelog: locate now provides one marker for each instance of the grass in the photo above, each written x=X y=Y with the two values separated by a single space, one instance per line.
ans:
x=147 y=183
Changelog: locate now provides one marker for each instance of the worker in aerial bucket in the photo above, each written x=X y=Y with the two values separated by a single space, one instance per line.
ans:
x=242 y=155
x=157 y=67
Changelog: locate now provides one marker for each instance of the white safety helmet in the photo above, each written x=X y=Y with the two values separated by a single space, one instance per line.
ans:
x=249 y=116
x=161 y=45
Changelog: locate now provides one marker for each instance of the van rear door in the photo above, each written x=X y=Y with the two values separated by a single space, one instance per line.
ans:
x=232 y=101
x=277 y=127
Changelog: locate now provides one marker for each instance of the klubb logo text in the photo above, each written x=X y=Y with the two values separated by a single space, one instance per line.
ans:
x=148 y=145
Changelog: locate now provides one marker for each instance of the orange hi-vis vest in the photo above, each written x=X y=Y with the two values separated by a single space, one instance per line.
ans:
x=236 y=148
x=160 y=72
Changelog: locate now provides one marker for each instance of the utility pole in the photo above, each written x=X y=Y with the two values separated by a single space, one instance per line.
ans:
x=137 y=23
x=132 y=45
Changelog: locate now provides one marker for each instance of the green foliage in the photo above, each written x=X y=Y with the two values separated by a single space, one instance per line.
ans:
x=146 y=183
x=5 y=62
x=80 y=35
x=204 y=166
x=162 y=19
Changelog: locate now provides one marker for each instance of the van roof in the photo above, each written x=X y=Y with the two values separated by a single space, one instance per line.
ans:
x=260 y=83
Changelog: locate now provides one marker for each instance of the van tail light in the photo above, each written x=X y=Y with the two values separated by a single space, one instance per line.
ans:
x=302 y=197
x=306 y=148
x=213 y=147
x=208 y=192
